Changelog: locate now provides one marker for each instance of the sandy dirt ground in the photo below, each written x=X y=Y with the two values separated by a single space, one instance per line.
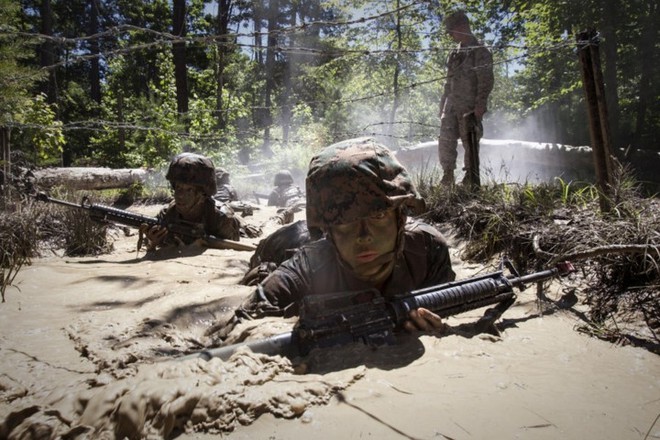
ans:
x=89 y=347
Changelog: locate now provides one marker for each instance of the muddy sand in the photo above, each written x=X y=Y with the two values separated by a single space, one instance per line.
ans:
x=89 y=347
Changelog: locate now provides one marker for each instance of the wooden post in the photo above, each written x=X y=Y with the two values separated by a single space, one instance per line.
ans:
x=5 y=158
x=592 y=79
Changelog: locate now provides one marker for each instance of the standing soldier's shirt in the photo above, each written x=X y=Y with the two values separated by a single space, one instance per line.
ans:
x=470 y=78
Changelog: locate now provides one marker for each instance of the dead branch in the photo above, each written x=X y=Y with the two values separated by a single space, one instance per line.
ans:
x=594 y=252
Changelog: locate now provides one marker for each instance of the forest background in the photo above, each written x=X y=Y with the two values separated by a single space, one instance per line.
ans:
x=121 y=83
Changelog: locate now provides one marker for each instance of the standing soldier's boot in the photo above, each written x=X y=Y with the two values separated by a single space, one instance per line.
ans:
x=447 y=178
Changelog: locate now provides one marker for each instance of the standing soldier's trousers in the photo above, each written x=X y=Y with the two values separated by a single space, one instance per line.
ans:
x=452 y=127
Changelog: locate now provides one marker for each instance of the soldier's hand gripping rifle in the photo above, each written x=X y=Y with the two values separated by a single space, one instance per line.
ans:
x=365 y=316
x=105 y=214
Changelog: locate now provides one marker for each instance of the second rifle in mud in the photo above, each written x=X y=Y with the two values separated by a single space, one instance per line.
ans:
x=105 y=214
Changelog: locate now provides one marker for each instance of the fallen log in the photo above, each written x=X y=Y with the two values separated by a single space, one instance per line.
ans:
x=82 y=178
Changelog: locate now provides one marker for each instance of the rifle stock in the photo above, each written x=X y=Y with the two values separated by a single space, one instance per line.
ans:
x=105 y=214
x=365 y=316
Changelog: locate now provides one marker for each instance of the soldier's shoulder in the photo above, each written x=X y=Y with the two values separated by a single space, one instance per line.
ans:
x=218 y=208
x=316 y=253
x=420 y=232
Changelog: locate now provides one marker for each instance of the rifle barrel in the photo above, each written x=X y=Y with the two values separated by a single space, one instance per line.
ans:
x=445 y=300
x=282 y=344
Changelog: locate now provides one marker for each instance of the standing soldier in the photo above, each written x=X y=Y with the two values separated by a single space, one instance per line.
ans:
x=192 y=178
x=463 y=104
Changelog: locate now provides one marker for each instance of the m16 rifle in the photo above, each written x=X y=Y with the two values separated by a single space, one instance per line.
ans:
x=366 y=316
x=106 y=214
x=474 y=128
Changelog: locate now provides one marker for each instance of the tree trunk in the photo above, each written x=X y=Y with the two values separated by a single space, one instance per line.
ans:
x=289 y=72
x=273 y=9
x=224 y=14
x=397 y=71
x=648 y=23
x=47 y=51
x=589 y=57
x=121 y=135
x=94 y=71
x=257 y=19
x=179 y=55
x=90 y=178
x=610 y=17
x=6 y=155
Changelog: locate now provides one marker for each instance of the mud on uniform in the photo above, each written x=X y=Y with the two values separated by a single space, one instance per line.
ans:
x=226 y=193
x=217 y=220
x=316 y=269
x=214 y=218
x=285 y=196
x=469 y=83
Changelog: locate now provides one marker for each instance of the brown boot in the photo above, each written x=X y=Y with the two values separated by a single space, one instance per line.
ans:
x=447 y=178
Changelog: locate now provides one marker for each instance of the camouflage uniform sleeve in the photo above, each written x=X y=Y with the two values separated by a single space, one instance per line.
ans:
x=446 y=88
x=233 y=195
x=483 y=64
x=438 y=262
x=274 y=198
x=223 y=223
x=440 y=270
x=280 y=293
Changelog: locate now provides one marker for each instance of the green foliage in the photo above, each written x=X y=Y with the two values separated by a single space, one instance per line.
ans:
x=328 y=82
x=16 y=75
x=42 y=134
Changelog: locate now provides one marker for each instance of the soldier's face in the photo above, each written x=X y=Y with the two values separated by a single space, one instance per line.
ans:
x=187 y=197
x=366 y=245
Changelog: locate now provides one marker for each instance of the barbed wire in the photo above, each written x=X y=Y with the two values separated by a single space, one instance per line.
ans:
x=278 y=48
x=101 y=125
x=119 y=29
x=167 y=39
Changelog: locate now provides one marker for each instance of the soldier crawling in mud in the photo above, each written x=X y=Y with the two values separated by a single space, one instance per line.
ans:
x=360 y=197
x=285 y=194
x=225 y=192
x=192 y=177
x=463 y=103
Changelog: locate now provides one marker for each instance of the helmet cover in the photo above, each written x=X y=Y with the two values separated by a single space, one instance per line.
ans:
x=355 y=179
x=193 y=169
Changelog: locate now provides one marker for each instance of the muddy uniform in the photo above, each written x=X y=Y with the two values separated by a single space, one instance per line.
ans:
x=316 y=270
x=226 y=193
x=285 y=196
x=217 y=220
x=469 y=82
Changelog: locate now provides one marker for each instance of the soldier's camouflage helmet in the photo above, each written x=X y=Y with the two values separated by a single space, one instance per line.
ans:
x=283 y=177
x=193 y=169
x=455 y=19
x=221 y=176
x=355 y=179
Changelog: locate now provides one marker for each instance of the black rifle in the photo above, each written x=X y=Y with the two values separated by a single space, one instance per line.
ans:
x=472 y=151
x=365 y=316
x=105 y=214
